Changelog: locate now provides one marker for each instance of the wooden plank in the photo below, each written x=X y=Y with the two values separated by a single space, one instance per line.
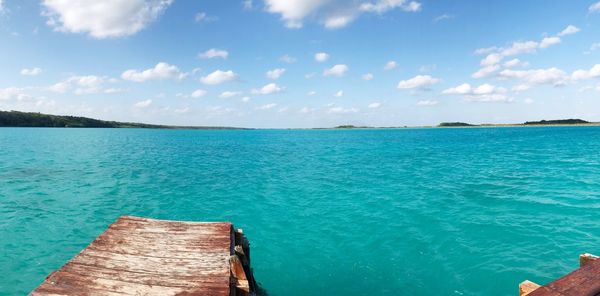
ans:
x=584 y=281
x=527 y=287
x=139 y=256
x=586 y=258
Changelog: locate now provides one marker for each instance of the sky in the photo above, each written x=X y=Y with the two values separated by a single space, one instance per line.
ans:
x=302 y=63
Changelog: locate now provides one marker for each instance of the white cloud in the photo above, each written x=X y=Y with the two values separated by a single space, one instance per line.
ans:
x=248 y=4
x=367 y=77
x=60 y=87
x=549 y=41
x=483 y=93
x=462 y=89
x=229 y=94
x=495 y=54
x=103 y=19
x=143 y=104
x=218 y=77
x=427 y=103
x=198 y=93
x=14 y=93
x=443 y=17
x=306 y=110
x=82 y=85
x=268 y=89
x=593 y=47
x=419 y=81
x=570 y=29
x=390 y=65
x=520 y=48
x=214 y=53
x=161 y=71
x=521 y=88
x=293 y=11
x=337 y=70
x=515 y=63
x=219 y=110
x=202 y=17
x=1 y=7
x=466 y=89
x=552 y=76
x=486 y=71
x=595 y=7
x=31 y=72
x=312 y=93
x=267 y=106
x=287 y=59
x=486 y=50
x=341 y=110
x=333 y=13
x=492 y=98
x=484 y=89
x=491 y=59
x=491 y=63
x=275 y=73
x=113 y=90
x=339 y=93
x=338 y=21
x=382 y=6
x=321 y=57
x=594 y=72
x=245 y=99
x=374 y=105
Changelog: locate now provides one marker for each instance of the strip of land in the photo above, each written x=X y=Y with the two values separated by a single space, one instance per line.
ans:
x=31 y=119
x=556 y=122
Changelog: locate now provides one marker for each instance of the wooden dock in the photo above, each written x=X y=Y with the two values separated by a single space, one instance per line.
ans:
x=138 y=256
x=584 y=281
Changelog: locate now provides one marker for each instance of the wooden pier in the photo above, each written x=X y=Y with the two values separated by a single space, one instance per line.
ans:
x=584 y=281
x=138 y=256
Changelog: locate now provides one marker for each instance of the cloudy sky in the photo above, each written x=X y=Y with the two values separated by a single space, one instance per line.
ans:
x=302 y=63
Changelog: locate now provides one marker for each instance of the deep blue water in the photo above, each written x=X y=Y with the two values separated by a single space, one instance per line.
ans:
x=328 y=212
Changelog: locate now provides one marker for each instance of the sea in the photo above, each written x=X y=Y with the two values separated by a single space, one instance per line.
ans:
x=424 y=211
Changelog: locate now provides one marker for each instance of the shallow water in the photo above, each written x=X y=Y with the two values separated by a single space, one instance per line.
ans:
x=328 y=212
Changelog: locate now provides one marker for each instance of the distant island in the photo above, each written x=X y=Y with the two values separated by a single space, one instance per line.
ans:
x=349 y=126
x=528 y=123
x=31 y=119
x=559 y=121
x=454 y=124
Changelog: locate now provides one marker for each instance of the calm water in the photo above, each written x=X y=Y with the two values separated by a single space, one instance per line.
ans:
x=360 y=212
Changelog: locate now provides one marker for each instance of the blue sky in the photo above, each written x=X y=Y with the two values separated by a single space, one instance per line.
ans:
x=302 y=63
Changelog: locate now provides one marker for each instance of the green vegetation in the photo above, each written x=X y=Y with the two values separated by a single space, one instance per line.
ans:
x=454 y=124
x=350 y=126
x=558 y=121
x=30 y=119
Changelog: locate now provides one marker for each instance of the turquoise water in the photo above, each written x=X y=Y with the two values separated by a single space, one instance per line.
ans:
x=328 y=212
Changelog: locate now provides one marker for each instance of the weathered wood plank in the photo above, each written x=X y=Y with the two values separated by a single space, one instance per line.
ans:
x=584 y=281
x=527 y=287
x=139 y=256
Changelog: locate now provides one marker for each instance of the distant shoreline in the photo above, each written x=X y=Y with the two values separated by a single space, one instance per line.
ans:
x=17 y=119
x=454 y=127
x=32 y=119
